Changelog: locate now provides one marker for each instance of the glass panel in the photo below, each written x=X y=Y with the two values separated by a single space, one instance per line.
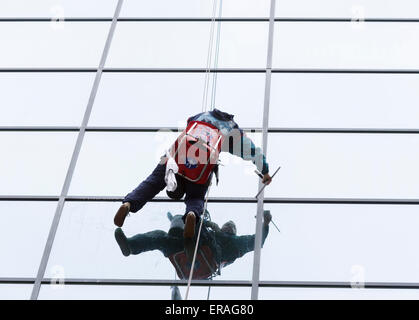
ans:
x=90 y=292
x=21 y=250
x=57 y=8
x=44 y=99
x=346 y=45
x=193 y=8
x=126 y=99
x=35 y=163
x=75 y=292
x=344 y=100
x=336 y=294
x=45 y=44
x=15 y=291
x=85 y=245
x=351 y=243
x=126 y=159
x=347 y=8
x=185 y=45
x=344 y=165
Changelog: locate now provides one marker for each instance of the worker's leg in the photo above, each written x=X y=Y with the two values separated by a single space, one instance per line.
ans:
x=147 y=190
x=155 y=240
x=194 y=200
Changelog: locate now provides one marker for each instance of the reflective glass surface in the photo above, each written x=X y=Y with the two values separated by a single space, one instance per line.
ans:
x=344 y=101
x=52 y=44
x=347 y=8
x=192 y=8
x=113 y=164
x=90 y=292
x=88 y=226
x=44 y=99
x=15 y=291
x=22 y=244
x=341 y=243
x=185 y=45
x=128 y=99
x=346 y=45
x=344 y=165
x=34 y=162
x=57 y=9
x=315 y=242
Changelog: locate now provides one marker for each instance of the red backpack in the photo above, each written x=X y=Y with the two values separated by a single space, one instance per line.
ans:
x=205 y=264
x=196 y=151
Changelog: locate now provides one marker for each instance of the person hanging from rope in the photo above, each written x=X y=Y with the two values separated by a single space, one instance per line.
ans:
x=187 y=170
x=219 y=247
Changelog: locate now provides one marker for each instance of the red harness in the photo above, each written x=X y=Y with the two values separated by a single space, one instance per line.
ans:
x=196 y=151
x=205 y=265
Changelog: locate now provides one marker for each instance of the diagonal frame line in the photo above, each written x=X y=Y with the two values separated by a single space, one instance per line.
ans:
x=260 y=202
x=74 y=158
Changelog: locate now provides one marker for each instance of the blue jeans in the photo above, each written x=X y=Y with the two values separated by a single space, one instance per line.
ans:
x=150 y=187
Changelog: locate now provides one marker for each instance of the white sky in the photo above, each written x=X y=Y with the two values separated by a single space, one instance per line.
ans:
x=317 y=242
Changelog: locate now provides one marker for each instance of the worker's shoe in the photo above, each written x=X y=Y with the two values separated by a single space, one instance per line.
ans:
x=122 y=241
x=121 y=214
x=190 y=222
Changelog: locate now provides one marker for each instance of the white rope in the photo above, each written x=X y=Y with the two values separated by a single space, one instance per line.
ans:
x=196 y=245
x=217 y=51
x=204 y=108
x=209 y=291
x=209 y=58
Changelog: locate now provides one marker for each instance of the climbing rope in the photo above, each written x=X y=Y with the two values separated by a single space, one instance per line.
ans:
x=217 y=51
x=210 y=56
x=209 y=291
x=204 y=108
x=197 y=244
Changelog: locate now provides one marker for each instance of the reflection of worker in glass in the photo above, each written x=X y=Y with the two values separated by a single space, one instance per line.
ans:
x=218 y=247
x=214 y=131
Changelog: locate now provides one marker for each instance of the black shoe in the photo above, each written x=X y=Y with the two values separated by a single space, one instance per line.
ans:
x=122 y=241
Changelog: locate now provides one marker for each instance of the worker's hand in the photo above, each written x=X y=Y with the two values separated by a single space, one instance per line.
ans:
x=267 y=179
x=267 y=217
x=214 y=226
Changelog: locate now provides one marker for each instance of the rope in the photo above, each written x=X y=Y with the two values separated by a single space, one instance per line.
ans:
x=196 y=245
x=209 y=58
x=217 y=51
x=209 y=291
x=203 y=109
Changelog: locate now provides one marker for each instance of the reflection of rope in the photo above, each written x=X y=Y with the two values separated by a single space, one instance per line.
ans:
x=196 y=245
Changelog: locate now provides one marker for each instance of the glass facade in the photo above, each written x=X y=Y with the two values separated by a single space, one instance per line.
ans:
x=93 y=92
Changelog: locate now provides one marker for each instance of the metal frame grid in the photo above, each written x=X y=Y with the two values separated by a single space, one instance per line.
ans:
x=83 y=128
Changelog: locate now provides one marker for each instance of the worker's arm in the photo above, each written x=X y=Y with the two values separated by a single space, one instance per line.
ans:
x=247 y=243
x=212 y=225
x=241 y=145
